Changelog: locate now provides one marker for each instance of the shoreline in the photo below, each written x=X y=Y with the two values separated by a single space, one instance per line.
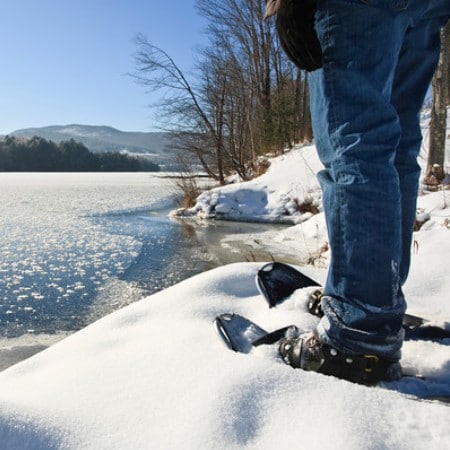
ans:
x=231 y=241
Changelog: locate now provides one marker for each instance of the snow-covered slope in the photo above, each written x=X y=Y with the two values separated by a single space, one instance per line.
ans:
x=155 y=375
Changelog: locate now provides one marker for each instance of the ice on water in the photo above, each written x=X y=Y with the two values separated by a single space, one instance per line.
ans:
x=54 y=244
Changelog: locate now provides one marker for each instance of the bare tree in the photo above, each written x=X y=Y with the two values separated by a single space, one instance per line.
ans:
x=441 y=101
x=237 y=26
x=183 y=106
x=157 y=70
x=248 y=99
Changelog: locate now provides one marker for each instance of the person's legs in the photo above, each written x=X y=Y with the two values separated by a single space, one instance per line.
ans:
x=358 y=131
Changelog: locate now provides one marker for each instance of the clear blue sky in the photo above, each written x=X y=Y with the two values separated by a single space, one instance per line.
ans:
x=65 y=61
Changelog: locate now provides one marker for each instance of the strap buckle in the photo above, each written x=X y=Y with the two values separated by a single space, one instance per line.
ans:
x=371 y=362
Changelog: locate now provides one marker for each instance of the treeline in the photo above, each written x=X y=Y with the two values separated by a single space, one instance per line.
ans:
x=39 y=155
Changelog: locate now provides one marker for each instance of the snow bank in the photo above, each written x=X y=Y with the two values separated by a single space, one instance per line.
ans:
x=272 y=197
x=155 y=374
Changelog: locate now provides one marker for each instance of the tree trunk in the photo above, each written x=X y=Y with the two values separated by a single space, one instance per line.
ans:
x=438 y=124
x=307 y=132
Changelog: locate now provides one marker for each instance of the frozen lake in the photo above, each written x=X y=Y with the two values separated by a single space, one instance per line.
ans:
x=75 y=247
x=64 y=238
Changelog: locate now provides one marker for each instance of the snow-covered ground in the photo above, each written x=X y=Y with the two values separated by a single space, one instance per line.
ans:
x=155 y=375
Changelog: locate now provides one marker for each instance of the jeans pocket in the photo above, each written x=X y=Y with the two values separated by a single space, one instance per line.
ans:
x=394 y=5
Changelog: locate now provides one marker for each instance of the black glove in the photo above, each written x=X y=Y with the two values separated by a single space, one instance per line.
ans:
x=295 y=28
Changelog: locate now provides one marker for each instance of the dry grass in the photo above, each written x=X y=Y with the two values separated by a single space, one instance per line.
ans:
x=306 y=206
x=259 y=168
x=317 y=259
x=190 y=190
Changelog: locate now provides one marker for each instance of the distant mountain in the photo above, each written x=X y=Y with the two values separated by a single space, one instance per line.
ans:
x=154 y=145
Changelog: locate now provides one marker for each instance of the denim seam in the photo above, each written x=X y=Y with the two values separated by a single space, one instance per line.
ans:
x=329 y=83
x=393 y=5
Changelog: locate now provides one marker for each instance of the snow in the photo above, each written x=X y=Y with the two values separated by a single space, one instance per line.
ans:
x=155 y=374
x=272 y=197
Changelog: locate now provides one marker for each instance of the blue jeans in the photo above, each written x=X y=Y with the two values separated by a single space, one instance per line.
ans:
x=379 y=58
